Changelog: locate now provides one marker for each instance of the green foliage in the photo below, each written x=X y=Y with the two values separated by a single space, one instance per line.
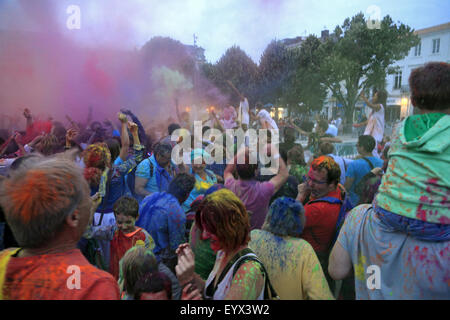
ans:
x=236 y=66
x=304 y=86
x=357 y=57
x=164 y=51
x=275 y=69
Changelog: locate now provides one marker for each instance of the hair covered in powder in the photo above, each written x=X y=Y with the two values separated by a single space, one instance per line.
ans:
x=328 y=163
x=37 y=199
x=223 y=214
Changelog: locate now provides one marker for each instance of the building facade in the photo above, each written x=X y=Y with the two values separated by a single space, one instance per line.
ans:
x=434 y=46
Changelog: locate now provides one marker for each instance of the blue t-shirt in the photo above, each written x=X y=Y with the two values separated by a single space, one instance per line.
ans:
x=357 y=169
x=153 y=185
x=393 y=265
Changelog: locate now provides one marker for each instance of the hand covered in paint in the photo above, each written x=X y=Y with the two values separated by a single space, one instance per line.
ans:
x=190 y=292
x=122 y=117
x=133 y=127
x=186 y=264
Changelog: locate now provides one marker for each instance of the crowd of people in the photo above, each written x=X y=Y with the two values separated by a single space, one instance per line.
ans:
x=99 y=210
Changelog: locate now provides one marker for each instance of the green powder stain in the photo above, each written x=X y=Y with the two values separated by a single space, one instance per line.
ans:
x=316 y=268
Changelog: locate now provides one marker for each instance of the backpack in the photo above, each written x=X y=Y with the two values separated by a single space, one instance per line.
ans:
x=346 y=207
x=131 y=180
x=367 y=186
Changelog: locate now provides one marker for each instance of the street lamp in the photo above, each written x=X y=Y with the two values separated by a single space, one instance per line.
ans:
x=404 y=107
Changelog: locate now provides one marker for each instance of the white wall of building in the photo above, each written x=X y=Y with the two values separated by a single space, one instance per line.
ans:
x=399 y=95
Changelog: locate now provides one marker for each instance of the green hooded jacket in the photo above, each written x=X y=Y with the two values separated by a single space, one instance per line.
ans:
x=417 y=181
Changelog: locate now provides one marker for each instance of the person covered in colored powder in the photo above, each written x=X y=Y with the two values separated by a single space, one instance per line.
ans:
x=48 y=207
x=204 y=178
x=108 y=180
x=136 y=263
x=254 y=194
x=124 y=234
x=291 y=262
x=155 y=173
x=205 y=257
x=406 y=230
x=163 y=217
x=223 y=219
x=322 y=197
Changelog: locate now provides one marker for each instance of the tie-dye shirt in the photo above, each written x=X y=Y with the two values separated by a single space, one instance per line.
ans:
x=293 y=267
x=417 y=184
x=393 y=265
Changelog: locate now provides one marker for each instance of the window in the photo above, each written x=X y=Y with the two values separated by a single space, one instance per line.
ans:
x=417 y=49
x=436 y=44
x=398 y=80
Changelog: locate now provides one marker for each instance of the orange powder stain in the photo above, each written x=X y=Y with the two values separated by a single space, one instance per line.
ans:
x=33 y=193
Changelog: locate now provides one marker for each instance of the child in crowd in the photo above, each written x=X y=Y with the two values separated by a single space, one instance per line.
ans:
x=135 y=264
x=124 y=234
x=158 y=286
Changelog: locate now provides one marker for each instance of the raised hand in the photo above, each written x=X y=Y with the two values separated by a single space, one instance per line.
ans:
x=27 y=113
x=122 y=117
x=71 y=134
x=133 y=127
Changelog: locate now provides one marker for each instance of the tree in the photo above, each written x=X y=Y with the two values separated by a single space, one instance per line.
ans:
x=304 y=91
x=276 y=67
x=236 y=66
x=164 y=51
x=356 y=58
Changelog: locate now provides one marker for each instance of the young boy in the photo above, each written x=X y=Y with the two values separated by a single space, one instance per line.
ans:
x=124 y=234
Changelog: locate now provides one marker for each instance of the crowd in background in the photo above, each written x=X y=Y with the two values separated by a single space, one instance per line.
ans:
x=108 y=198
